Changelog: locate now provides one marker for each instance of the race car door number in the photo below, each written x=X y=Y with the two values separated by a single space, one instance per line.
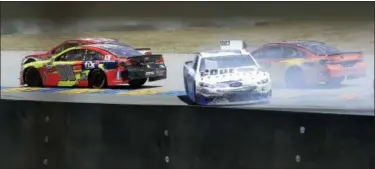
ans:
x=225 y=43
x=66 y=72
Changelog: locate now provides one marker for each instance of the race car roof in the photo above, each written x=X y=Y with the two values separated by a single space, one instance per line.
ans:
x=96 y=39
x=300 y=43
x=99 y=40
x=116 y=49
x=314 y=46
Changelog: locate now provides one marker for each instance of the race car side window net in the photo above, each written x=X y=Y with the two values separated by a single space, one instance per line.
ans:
x=92 y=55
x=272 y=52
x=290 y=52
x=73 y=55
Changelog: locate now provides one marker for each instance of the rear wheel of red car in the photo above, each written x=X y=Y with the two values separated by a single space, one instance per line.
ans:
x=97 y=79
x=295 y=78
x=336 y=81
x=137 y=83
x=32 y=78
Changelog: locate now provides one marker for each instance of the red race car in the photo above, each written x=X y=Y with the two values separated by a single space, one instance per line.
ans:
x=95 y=66
x=77 y=42
x=301 y=63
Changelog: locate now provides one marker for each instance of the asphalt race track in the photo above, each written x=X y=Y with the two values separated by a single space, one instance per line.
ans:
x=353 y=94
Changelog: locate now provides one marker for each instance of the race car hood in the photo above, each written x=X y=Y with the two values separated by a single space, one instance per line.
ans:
x=246 y=75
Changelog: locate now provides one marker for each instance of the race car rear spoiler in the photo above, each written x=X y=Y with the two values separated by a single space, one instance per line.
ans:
x=157 y=58
x=142 y=48
x=344 y=53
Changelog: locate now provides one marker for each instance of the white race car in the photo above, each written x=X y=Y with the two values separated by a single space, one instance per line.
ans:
x=227 y=76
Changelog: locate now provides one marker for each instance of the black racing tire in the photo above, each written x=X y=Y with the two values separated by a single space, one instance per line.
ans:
x=335 y=82
x=137 y=83
x=97 y=79
x=295 y=78
x=32 y=78
x=268 y=101
x=185 y=84
x=185 y=81
x=196 y=97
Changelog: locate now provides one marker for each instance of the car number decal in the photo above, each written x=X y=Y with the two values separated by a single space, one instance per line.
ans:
x=66 y=72
x=225 y=43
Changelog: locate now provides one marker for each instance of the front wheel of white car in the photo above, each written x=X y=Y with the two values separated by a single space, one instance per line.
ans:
x=193 y=96
x=185 y=86
x=267 y=99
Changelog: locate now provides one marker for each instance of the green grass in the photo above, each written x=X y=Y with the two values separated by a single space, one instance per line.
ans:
x=351 y=35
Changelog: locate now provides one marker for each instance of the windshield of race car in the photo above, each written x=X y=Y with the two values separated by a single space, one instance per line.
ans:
x=223 y=62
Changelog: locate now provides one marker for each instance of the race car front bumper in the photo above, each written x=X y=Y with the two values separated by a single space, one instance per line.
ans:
x=245 y=95
x=235 y=98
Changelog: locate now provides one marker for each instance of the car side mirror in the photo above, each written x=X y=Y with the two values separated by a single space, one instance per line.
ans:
x=188 y=62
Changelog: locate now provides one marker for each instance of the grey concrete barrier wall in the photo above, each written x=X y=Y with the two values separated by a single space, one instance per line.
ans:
x=86 y=136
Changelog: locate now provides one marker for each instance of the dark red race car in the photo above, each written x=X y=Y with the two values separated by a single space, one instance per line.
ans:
x=77 y=42
x=300 y=63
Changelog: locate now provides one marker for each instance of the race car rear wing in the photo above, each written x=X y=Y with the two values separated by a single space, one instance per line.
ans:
x=142 y=59
x=145 y=51
x=142 y=48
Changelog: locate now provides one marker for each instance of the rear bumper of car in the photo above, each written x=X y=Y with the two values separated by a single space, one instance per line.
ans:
x=238 y=99
x=153 y=74
x=217 y=92
x=356 y=70
x=124 y=75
